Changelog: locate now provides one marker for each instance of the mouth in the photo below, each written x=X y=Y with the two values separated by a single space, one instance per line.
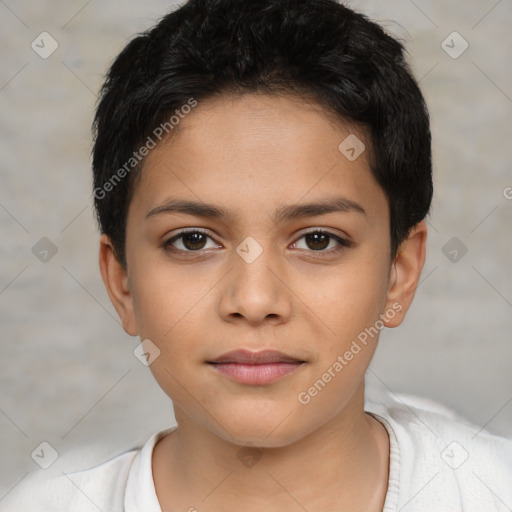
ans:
x=256 y=368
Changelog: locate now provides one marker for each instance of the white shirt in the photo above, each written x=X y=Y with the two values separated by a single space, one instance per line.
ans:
x=438 y=462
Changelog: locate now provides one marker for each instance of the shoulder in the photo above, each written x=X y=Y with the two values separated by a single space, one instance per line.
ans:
x=443 y=456
x=99 y=487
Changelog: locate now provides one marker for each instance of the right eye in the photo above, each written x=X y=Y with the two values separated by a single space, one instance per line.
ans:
x=191 y=240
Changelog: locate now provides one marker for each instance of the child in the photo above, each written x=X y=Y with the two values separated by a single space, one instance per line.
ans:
x=262 y=175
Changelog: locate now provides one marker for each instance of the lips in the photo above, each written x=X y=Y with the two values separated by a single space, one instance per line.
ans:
x=256 y=368
x=248 y=357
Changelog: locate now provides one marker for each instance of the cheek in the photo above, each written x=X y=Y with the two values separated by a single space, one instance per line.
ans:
x=158 y=296
x=351 y=300
x=170 y=304
x=357 y=298
x=167 y=314
x=353 y=324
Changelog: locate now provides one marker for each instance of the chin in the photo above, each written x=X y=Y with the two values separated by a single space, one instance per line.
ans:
x=262 y=430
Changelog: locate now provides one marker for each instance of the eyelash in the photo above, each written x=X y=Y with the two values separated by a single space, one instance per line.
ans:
x=343 y=242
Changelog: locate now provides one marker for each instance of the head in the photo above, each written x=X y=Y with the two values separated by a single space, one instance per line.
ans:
x=253 y=110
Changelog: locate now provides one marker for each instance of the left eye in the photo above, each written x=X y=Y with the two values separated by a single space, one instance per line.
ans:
x=318 y=241
x=194 y=241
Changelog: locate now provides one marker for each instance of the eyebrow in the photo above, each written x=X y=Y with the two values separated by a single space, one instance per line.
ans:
x=286 y=212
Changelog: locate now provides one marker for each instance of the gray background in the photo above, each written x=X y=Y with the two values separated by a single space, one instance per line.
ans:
x=68 y=375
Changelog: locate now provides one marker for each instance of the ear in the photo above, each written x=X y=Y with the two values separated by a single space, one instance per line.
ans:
x=405 y=274
x=115 y=279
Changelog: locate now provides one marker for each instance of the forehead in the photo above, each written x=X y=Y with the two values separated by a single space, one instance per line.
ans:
x=253 y=153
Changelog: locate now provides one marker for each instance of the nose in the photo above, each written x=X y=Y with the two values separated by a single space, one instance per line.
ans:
x=255 y=291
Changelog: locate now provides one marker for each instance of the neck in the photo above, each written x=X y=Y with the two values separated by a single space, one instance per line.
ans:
x=341 y=465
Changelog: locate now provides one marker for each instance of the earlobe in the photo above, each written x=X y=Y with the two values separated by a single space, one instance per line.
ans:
x=405 y=275
x=115 y=279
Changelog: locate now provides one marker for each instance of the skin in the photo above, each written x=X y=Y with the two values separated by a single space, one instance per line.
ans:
x=252 y=154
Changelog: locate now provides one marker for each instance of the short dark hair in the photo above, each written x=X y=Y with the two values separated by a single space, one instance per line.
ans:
x=315 y=49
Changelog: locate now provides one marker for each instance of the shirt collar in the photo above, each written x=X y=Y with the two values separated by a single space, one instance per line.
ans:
x=140 y=491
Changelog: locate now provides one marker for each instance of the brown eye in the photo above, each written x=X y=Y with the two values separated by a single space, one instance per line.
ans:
x=190 y=241
x=319 y=241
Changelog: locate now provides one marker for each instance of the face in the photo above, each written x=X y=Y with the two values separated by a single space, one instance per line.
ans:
x=267 y=274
